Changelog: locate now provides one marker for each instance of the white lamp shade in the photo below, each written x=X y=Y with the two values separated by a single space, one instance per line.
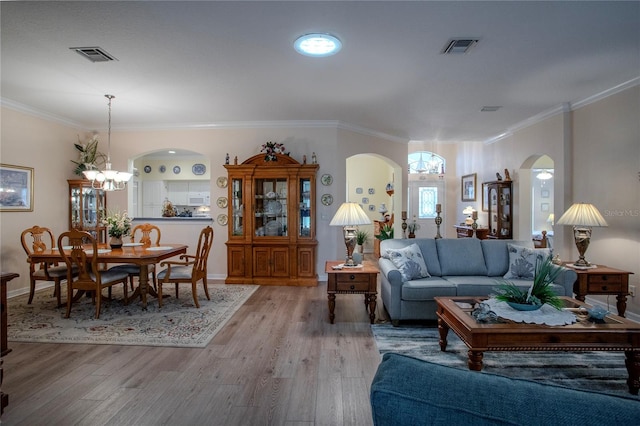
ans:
x=468 y=210
x=350 y=214
x=582 y=214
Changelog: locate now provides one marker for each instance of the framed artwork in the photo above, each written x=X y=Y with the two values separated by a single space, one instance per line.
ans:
x=544 y=193
x=544 y=207
x=468 y=187
x=485 y=197
x=17 y=188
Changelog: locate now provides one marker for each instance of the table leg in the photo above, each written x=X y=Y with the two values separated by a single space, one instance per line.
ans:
x=443 y=329
x=621 y=304
x=332 y=307
x=143 y=288
x=475 y=360
x=372 y=307
x=632 y=362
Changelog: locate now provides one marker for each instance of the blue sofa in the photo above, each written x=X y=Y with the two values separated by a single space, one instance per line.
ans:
x=409 y=391
x=458 y=267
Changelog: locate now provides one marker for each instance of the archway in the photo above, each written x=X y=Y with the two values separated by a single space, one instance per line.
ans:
x=537 y=187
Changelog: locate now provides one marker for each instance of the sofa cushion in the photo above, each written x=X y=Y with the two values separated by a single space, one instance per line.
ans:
x=461 y=256
x=409 y=262
x=475 y=285
x=427 y=247
x=427 y=289
x=496 y=255
x=523 y=261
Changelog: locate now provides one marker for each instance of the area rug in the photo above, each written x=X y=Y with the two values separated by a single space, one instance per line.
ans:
x=594 y=371
x=178 y=324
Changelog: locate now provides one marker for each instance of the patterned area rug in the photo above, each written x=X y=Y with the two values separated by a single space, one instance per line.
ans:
x=179 y=323
x=593 y=371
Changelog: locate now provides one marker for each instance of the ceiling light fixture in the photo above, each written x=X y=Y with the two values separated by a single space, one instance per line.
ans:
x=544 y=175
x=317 y=45
x=108 y=180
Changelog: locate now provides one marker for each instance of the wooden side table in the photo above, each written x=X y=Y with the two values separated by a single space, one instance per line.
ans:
x=603 y=280
x=361 y=280
x=6 y=277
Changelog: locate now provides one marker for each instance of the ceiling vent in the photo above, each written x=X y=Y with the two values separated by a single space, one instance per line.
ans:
x=94 y=54
x=459 y=46
x=490 y=108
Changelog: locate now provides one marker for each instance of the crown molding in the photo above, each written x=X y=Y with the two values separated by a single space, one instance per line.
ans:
x=16 y=106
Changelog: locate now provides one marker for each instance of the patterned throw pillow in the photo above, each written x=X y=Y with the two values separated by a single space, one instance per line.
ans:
x=409 y=262
x=522 y=261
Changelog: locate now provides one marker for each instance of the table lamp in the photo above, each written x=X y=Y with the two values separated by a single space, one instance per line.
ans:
x=349 y=215
x=468 y=211
x=582 y=216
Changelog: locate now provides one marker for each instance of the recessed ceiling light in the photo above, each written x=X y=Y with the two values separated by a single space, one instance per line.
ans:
x=317 y=44
x=172 y=152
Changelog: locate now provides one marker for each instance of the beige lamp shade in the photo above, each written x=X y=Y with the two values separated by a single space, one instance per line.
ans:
x=582 y=214
x=350 y=214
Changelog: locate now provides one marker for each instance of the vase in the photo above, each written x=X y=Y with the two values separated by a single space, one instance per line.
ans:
x=115 y=242
x=412 y=235
x=524 y=306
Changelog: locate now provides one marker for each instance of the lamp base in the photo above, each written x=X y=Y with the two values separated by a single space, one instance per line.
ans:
x=582 y=237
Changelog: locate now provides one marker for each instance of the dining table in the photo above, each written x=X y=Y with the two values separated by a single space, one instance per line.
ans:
x=133 y=253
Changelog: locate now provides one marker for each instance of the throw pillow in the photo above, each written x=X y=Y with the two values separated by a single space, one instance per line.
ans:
x=522 y=261
x=409 y=262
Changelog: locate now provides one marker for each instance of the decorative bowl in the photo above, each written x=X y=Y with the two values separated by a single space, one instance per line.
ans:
x=524 y=306
x=597 y=312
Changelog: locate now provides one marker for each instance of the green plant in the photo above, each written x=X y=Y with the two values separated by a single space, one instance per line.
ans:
x=362 y=237
x=89 y=157
x=540 y=291
x=386 y=232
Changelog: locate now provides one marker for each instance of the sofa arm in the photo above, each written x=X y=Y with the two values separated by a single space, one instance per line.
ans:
x=409 y=391
x=388 y=270
x=566 y=278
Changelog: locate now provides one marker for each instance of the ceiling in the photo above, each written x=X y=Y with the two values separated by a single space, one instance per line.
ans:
x=208 y=64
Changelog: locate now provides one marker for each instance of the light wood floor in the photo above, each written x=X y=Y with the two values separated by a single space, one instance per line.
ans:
x=278 y=361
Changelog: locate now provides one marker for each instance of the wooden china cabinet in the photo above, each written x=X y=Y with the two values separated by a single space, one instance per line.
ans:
x=87 y=207
x=272 y=222
x=500 y=209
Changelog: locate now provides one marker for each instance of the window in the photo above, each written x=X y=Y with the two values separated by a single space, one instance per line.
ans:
x=427 y=200
x=426 y=162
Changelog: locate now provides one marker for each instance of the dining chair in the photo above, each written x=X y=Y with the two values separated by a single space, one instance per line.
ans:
x=36 y=240
x=191 y=270
x=540 y=242
x=150 y=235
x=90 y=277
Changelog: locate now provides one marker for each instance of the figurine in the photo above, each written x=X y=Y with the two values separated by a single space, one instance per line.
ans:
x=226 y=159
x=314 y=159
x=304 y=159
x=498 y=176
x=235 y=160
x=507 y=178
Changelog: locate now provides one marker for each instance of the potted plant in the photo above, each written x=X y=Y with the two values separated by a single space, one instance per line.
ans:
x=413 y=227
x=538 y=294
x=89 y=156
x=362 y=237
x=386 y=232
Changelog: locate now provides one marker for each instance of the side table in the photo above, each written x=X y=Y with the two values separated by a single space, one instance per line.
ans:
x=603 y=280
x=4 y=348
x=359 y=280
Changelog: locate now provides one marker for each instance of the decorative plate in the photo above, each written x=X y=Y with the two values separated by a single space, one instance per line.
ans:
x=358 y=190
x=365 y=200
x=199 y=169
x=163 y=169
x=327 y=199
x=147 y=169
x=221 y=182
x=176 y=170
x=372 y=191
x=222 y=202
x=326 y=179
x=274 y=207
x=222 y=219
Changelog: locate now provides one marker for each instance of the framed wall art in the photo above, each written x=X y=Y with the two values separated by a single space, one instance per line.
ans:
x=468 y=187
x=16 y=184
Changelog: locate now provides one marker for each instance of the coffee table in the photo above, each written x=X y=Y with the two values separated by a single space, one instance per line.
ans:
x=614 y=334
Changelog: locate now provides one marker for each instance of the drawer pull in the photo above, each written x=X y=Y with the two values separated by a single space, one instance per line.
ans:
x=352 y=287
x=604 y=288
x=604 y=278
x=352 y=277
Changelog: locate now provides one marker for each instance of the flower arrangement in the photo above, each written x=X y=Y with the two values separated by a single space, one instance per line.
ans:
x=386 y=232
x=540 y=291
x=118 y=224
x=89 y=156
x=270 y=150
x=413 y=226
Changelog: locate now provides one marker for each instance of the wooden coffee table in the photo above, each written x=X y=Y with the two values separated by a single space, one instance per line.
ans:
x=615 y=334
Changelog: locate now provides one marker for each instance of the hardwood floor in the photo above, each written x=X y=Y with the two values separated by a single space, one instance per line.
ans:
x=277 y=361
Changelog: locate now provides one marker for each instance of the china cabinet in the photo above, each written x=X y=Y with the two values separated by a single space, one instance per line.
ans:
x=272 y=220
x=87 y=207
x=500 y=209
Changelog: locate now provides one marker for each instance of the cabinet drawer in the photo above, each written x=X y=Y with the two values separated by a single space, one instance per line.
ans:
x=352 y=282
x=605 y=279
x=605 y=283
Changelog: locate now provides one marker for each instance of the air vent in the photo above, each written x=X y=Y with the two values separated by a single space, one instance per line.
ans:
x=94 y=54
x=459 y=46
x=490 y=108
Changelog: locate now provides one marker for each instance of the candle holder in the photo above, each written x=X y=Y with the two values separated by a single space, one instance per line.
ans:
x=438 y=223
x=474 y=226
x=404 y=224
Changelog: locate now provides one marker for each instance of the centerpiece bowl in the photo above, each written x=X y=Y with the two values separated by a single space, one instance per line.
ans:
x=524 y=306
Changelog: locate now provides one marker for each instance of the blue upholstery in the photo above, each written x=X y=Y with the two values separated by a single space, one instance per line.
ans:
x=408 y=391
x=461 y=256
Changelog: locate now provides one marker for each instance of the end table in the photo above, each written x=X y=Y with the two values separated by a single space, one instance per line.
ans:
x=603 y=280
x=358 y=280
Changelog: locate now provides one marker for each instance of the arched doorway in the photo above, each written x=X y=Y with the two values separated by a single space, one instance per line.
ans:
x=537 y=187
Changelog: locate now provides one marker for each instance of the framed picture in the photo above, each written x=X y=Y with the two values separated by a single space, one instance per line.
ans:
x=16 y=183
x=544 y=193
x=544 y=207
x=485 y=197
x=468 y=187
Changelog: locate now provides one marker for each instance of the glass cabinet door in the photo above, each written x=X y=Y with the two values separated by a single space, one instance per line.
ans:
x=305 y=208
x=270 y=207
x=237 y=208
x=505 y=211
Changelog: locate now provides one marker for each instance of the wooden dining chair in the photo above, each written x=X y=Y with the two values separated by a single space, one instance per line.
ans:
x=38 y=239
x=191 y=270
x=90 y=277
x=540 y=242
x=149 y=236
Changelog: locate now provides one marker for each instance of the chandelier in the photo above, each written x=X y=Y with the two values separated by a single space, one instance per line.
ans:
x=107 y=179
